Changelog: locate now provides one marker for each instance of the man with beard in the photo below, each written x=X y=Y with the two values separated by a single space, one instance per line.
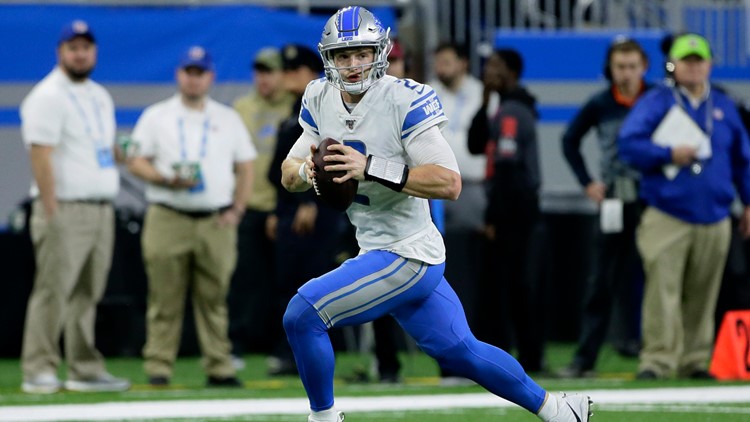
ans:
x=68 y=125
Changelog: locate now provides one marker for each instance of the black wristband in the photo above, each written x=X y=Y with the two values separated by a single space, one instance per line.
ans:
x=390 y=174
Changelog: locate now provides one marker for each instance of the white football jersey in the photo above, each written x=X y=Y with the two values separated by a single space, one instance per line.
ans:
x=389 y=115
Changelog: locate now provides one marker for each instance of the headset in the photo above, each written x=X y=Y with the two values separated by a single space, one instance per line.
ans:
x=621 y=42
x=665 y=45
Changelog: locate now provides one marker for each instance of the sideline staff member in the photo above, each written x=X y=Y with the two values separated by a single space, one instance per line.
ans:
x=684 y=234
x=196 y=157
x=68 y=124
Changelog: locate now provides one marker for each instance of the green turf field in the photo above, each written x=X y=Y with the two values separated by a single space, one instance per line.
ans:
x=420 y=379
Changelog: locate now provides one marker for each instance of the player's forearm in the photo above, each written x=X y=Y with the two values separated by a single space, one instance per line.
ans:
x=290 y=175
x=41 y=167
x=433 y=182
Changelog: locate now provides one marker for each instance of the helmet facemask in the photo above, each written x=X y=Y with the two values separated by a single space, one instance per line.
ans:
x=354 y=27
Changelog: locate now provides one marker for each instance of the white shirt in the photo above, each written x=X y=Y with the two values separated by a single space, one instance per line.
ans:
x=169 y=133
x=78 y=120
x=387 y=123
x=460 y=107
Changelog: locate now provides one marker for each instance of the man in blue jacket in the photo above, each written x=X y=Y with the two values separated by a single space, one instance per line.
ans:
x=684 y=234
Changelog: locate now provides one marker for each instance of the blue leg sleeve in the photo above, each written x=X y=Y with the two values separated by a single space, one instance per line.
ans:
x=439 y=326
x=313 y=352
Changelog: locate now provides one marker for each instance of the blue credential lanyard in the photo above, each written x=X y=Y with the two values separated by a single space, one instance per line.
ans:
x=708 y=111
x=183 y=143
x=99 y=141
x=103 y=151
x=200 y=186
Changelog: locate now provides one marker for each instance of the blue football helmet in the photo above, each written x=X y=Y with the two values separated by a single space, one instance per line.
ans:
x=350 y=27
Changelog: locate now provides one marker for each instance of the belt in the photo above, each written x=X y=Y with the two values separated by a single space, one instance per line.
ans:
x=195 y=213
x=86 y=201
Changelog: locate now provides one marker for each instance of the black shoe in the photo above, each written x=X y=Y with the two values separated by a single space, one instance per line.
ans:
x=281 y=367
x=628 y=349
x=390 y=378
x=576 y=370
x=701 y=374
x=647 y=374
x=223 y=382
x=158 y=381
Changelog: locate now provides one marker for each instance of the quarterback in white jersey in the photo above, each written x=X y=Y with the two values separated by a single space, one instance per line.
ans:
x=391 y=144
x=398 y=121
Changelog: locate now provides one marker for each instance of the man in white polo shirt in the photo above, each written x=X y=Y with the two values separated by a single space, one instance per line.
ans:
x=196 y=157
x=68 y=125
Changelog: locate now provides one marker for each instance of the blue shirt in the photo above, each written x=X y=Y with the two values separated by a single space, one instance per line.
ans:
x=700 y=199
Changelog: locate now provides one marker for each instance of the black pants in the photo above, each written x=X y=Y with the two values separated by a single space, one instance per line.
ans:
x=252 y=285
x=511 y=304
x=616 y=268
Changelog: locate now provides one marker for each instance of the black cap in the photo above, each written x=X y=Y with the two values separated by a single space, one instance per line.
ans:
x=294 y=56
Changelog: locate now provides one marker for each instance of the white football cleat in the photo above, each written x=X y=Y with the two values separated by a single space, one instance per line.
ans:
x=339 y=418
x=572 y=408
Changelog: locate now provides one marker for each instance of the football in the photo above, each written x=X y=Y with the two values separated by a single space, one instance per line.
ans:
x=336 y=195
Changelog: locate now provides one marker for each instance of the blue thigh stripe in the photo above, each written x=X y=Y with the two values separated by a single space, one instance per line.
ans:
x=378 y=300
x=370 y=291
x=361 y=283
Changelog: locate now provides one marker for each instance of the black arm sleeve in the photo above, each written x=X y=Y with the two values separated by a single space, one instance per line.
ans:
x=479 y=132
x=571 y=142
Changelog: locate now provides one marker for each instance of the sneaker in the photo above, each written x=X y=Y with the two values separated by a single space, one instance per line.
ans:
x=453 y=381
x=223 y=382
x=238 y=363
x=158 y=381
x=572 y=408
x=390 y=378
x=701 y=374
x=339 y=418
x=102 y=383
x=647 y=374
x=281 y=366
x=575 y=370
x=46 y=383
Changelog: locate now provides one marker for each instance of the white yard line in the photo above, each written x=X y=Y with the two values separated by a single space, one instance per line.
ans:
x=229 y=408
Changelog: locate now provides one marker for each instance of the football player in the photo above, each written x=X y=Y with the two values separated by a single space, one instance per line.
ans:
x=391 y=143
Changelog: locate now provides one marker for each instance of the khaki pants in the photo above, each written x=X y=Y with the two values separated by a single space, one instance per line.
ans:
x=181 y=252
x=684 y=264
x=73 y=254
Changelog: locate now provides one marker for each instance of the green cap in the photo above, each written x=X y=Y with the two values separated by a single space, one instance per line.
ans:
x=690 y=44
x=267 y=59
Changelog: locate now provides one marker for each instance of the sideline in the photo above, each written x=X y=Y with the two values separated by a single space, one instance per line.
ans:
x=299 y=406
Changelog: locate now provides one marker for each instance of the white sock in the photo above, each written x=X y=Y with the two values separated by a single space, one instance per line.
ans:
x=549 y=408
x=326 y=415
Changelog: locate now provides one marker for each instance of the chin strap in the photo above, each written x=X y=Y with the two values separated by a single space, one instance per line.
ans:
x=390 y=174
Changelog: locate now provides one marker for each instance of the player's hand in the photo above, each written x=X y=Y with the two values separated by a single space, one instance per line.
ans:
x=272 y=222
x=684 y=155
x=304 y=219
x=352 y=162
x=745 y=222
x=230 y=217
x=178 y=183
x=50 y=208
x=596 y=191
x=309 y=168
x=489 y=232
